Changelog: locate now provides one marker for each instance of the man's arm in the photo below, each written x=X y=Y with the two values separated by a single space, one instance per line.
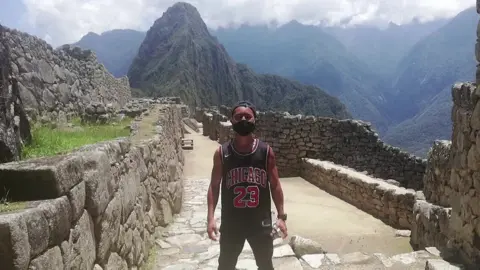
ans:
x=214 y=188
x=275 y=186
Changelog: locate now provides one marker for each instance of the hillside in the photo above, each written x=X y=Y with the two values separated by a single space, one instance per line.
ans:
x=420 y=100
x=382 y=49
x=179 y=57
x=115 y=49
x=310 y=55
x=437 y=61
x=416 y=135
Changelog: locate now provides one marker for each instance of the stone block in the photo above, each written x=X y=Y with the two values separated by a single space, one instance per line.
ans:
x=76 y=196
x=50 y=260
x=15 y=248
x=39 y=179
x=58 y=213
x=79 y=250
x=107 y=228
x=99 y=183
x=439 y=264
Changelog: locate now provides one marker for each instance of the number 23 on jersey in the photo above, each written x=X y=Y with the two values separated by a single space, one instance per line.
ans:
x=246 y=196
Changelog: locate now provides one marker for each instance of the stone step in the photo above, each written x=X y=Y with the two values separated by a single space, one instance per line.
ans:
x=416 y=260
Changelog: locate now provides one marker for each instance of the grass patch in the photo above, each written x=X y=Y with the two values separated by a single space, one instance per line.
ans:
x=48 y=141
x=6 y=206
x=152 y=255
x=12 y=206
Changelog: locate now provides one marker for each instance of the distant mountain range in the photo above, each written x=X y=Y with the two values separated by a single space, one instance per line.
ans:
x=398 y=78
x=178 y=56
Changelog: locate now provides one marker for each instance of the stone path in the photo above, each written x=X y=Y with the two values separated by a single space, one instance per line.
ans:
x=186 y=245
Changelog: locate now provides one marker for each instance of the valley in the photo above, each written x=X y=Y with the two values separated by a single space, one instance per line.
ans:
x=400 y=85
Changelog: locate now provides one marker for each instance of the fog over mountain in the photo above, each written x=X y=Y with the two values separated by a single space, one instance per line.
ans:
x=66 y=21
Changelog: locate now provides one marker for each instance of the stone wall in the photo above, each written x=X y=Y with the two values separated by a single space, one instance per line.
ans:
x=347 y=142
x=465 y=174
x=14 y=125
x=436 y=182
x=100 y=206
x=431 y=226
x=390 y=203
x=60 y=81
x=192 y=123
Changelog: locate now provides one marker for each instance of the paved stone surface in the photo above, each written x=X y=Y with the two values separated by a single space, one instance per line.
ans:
x=185 y=244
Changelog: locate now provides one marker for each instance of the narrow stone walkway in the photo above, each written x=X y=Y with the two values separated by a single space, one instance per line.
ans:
x=186 y=245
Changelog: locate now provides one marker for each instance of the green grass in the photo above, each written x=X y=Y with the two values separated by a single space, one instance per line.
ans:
x=6 y=207
x=152 y=255
x=48 y=141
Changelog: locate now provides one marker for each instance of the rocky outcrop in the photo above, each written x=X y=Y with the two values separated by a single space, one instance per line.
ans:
x=14 y=125
x=54 y=82
x=100 y=206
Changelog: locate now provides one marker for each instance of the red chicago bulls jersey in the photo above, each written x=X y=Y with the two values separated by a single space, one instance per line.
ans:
x=245 y=188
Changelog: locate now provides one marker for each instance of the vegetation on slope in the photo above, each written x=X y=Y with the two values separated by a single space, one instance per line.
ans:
x=312 y=56
x=438 y=61
x=420 y=100
x=406 y=108
x=115 y=49
x=179 y=57
x=382 y=49
x=416 y=135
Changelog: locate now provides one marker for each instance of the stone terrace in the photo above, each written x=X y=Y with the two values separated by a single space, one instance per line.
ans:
x=102 y=205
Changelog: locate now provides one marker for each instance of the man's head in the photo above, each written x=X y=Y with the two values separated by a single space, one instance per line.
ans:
x=243 y=118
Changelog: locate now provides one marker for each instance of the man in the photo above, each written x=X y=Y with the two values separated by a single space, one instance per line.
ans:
x=245 y=170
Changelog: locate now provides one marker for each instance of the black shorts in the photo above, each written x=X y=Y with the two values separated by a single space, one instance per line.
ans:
x=232 y=242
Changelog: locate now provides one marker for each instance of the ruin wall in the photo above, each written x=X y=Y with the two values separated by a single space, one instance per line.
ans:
x=385 y=201
x=350 y=143
x=63 y=81
x=99 y=207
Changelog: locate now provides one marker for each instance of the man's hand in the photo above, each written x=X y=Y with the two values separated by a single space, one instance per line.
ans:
x=283 y=228
x=276 y=189
x=213 y=193
x=212 y=230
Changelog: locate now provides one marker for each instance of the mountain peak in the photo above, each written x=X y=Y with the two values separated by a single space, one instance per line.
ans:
x=183 y=6
x=181 y=15
x=179 y=57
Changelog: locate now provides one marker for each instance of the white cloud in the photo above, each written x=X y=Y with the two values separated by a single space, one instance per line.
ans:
x=66 y=21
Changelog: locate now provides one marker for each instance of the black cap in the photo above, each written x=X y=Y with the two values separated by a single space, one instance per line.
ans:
x=245 y=104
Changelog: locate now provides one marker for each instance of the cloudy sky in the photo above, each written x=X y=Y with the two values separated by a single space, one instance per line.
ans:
x=66 y=21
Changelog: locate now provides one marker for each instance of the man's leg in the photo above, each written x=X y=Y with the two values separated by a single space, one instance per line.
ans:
x=262 y=247
x=231 y=245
